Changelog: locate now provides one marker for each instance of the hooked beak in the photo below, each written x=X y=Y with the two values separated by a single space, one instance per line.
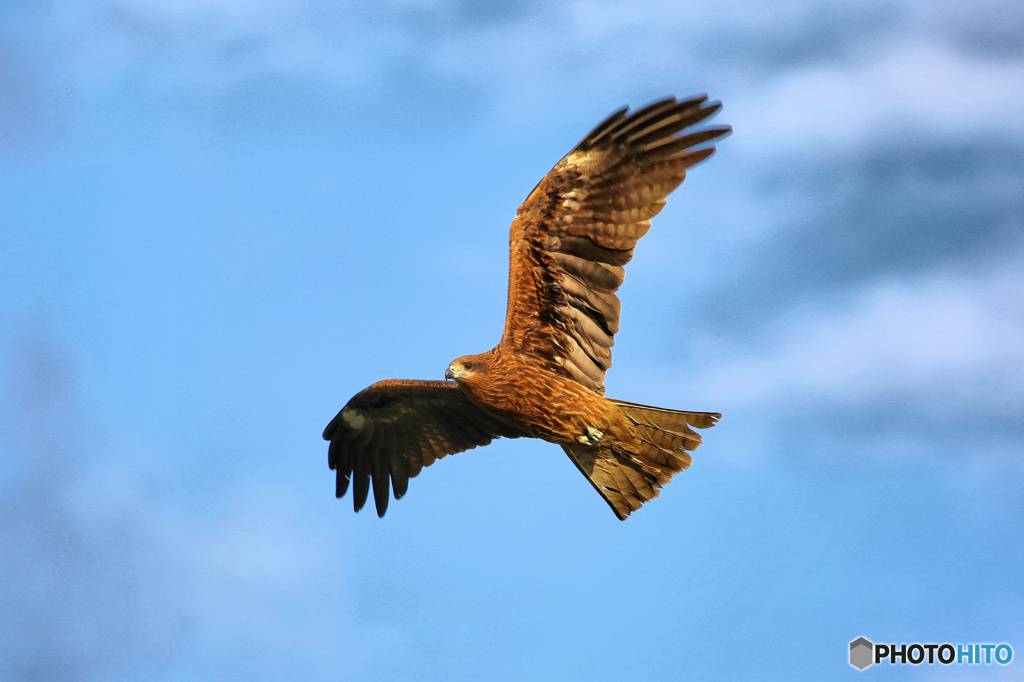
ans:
x=448 y=373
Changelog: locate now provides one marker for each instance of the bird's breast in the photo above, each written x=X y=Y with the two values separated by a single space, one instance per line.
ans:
x=547 y=405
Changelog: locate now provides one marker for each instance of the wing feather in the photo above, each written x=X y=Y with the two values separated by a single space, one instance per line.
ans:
x=380 y=470
x=361 y=473
x=388 y=432
x=599 y=276
x=578 y=228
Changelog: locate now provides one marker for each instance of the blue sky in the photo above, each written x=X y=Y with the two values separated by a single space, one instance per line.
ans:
x=221 y=219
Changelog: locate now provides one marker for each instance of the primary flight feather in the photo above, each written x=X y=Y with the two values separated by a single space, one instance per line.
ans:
x=545 y=379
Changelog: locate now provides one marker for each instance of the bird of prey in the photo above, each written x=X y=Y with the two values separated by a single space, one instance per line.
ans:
x=545 y=378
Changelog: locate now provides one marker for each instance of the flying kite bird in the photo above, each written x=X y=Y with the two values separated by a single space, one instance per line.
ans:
x=545 y=379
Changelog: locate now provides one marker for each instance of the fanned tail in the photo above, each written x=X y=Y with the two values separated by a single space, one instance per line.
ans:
x=625 y=479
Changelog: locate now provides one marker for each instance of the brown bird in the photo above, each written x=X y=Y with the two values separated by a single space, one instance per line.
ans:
x=545 y=379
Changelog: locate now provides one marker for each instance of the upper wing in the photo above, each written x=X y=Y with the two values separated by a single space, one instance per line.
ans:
x=395 y=427
x=578 y=227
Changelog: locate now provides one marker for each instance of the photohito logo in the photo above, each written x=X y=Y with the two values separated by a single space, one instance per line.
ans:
x=864 y=653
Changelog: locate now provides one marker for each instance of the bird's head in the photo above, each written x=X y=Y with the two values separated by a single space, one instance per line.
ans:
x=467 y=368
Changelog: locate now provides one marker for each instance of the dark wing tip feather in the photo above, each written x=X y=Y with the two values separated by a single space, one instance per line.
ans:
x=380 y=472
x=655 y=121
x=602 y=128
x=340 y=484
x=386 y=433
x=330 y=428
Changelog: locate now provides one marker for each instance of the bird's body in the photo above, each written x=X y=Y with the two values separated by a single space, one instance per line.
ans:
x=541 y=403
x=545 y=378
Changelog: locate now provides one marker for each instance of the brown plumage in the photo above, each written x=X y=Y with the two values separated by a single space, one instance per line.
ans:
x=545 y=379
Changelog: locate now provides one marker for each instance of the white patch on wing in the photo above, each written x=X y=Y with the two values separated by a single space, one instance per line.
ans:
x=353 y=419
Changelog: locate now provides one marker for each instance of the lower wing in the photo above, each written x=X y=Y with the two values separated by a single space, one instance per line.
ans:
x=394 y=428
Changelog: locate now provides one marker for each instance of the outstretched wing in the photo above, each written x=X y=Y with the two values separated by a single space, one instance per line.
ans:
x=394 y=428
x=578 y=227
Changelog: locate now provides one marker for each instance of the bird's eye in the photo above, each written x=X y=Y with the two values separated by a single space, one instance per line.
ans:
x=467 y=365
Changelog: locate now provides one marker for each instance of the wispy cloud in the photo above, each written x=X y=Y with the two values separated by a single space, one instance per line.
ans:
x=107 y=571
x=950 y=341
x=912 y=88
x=847 y=66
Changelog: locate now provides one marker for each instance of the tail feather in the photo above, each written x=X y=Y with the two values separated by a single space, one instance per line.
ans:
x=666 y=418
x=628 y=479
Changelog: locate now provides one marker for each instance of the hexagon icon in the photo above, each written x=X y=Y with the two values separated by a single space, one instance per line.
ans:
x=862 y=653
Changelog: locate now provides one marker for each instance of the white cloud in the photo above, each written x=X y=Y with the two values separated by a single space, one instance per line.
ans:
x=953 y=342
x=908 y=88
x=900 y=75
